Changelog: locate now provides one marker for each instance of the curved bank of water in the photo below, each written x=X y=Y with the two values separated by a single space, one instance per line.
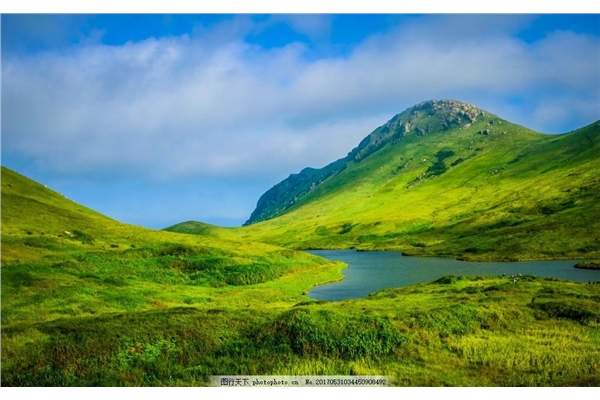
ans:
x=370 y=272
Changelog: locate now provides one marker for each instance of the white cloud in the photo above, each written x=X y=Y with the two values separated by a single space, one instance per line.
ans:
x=211 y=105
x=312 y=25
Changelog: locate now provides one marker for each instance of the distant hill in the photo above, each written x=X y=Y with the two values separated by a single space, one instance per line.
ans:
x=446 y=178
x=202 y=228
x=192 y=226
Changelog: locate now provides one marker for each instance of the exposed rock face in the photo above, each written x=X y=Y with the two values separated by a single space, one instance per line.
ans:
x=423 y=119
x=455 y=110
x=287 y=192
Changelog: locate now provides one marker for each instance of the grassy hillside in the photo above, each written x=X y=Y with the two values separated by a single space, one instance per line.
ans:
x=47 y=235
x=62 y=261
x=111 y=304
x=433 y=181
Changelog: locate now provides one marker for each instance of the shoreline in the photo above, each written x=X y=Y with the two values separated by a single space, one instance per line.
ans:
x=459 y=258
x=341 y=268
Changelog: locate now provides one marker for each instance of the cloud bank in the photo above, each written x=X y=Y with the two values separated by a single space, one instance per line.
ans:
x=213 y=105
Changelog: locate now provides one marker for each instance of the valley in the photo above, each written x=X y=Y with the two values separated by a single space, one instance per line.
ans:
x=90 y=301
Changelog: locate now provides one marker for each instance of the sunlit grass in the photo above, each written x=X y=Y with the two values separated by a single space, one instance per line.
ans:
x=108 y=304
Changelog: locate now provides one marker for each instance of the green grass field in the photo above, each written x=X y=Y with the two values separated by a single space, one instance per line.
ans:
x=88 y=301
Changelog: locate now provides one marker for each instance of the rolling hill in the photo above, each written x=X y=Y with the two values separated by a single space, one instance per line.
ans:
x=57 y=249
x=39 y=223
x=448 y=179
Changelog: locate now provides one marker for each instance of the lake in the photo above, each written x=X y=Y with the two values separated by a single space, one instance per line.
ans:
x=370 y=272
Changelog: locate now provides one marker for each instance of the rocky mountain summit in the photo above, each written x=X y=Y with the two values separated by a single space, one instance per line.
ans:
x=426 y=117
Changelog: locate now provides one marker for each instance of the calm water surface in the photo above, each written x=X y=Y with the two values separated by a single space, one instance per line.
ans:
x=370 y=272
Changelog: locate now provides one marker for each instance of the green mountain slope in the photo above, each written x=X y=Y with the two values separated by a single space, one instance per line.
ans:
x=54 y=241
x=425 y=118
x=445 y=178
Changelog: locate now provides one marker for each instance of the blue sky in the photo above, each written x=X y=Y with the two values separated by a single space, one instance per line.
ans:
x=156 y=119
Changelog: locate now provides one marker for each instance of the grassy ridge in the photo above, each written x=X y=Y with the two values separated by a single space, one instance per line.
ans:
x=509 y=194
x=38 y=223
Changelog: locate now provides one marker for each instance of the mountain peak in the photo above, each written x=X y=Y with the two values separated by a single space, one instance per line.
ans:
x=444 y=114
x=427 y=117
x=446 y=106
